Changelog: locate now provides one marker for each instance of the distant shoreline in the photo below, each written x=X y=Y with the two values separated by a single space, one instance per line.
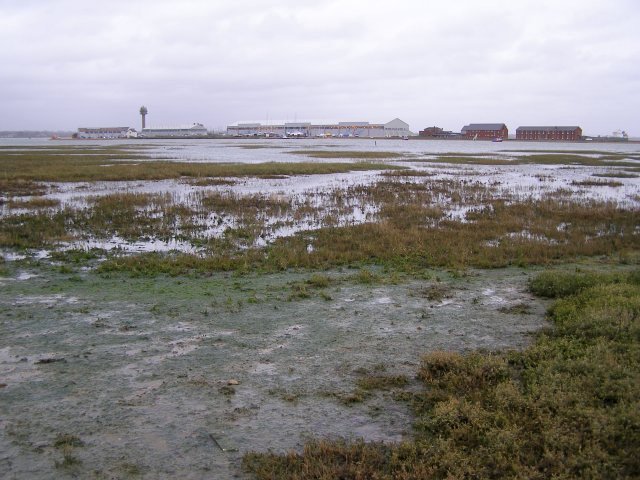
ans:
x=59 y=137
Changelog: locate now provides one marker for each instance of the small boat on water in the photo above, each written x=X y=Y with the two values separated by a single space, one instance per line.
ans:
x=497 y=139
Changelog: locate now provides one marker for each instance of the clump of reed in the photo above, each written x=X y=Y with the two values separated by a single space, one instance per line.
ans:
x=133 y=216
x=597 y=183
x=211 y=182
x=253 y=146
x=66 y=443
x=566 y=407
x=347 y=154
x=410 y=173
x=616 y=175
x=382 y=382
x=264 y=205
x=153 y=263
x=33 y=203
x=16 y=187
x=399 y=190
x=558 y=283
x=34 y=230
x=4 y=271
x=550 y=158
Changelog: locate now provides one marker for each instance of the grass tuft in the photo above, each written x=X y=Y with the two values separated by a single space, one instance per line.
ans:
x=382 y=382
x=346 y=154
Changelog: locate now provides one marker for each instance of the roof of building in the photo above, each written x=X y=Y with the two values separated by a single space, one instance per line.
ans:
x=297 y=124
x=544 y=129
x=279 y=123
x=102 y=129
x=317 y=123
x=396 y=123
x=194 y=126
x=484 y=126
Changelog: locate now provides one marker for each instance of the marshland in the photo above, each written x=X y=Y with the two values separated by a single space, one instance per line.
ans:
x=319 y=309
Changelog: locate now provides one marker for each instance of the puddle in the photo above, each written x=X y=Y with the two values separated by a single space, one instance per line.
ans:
x=25 y=276
x=48 y=300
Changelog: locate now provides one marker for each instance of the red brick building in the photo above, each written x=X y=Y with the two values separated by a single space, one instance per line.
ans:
x=431 y=132
x=437 y=132
x=485 y=131
x=567 y=134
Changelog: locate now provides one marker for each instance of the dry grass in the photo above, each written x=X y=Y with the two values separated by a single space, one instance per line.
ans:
x=20 y=188
x=33 y=203
x=616 y=175
x=597 y=183
x=347 y=154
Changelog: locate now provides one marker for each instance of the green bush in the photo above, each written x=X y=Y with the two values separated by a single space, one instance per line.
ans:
x=556 y=284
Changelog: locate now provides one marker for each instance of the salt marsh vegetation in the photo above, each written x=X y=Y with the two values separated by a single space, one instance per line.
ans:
x=112 y=165
x=352 y=154
x=172 y=307
x=565 y=407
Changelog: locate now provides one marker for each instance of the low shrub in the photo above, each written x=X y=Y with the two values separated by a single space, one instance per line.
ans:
x=567 y=407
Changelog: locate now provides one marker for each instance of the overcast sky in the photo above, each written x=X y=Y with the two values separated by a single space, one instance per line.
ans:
x=67 y=63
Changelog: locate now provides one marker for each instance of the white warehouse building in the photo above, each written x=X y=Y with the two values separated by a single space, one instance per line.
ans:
x=105 y=132
x=195 y=130
x=394 y=128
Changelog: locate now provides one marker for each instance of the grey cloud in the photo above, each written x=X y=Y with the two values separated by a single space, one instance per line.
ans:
x=218 y=62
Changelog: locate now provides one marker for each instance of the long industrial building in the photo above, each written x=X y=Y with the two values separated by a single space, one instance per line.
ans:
x=105 y=132
x=485 y=131
x=194 y=130
x=394 y=128
x=549 y=133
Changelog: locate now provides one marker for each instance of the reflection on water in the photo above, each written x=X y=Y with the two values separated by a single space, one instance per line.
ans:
x=279 y=150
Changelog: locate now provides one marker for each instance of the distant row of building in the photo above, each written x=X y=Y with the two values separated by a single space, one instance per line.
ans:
x=499 y=131
x=194 y=130
x=396 y=128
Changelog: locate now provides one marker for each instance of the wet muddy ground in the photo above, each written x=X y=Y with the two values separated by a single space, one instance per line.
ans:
x=513 y=182
x=120 y=377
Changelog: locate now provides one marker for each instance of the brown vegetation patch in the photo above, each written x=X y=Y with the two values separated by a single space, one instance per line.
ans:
x=347 y=154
